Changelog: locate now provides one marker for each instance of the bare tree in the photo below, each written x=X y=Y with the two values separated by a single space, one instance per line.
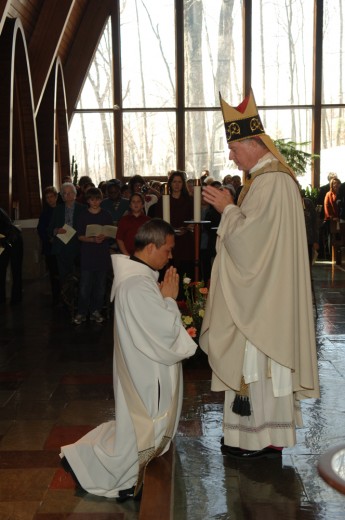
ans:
x=292 y=62
x=340 y=127
x=146 y=151
x=226 y=72
x=100 y=78
x=194 y=85
x=262 y=58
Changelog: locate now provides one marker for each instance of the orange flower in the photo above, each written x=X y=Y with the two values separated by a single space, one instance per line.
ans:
x=203 y=290
x=192 y=332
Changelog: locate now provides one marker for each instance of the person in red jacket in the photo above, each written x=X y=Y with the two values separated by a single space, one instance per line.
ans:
x=331 y=210
x=330 y=204
x=129 y=224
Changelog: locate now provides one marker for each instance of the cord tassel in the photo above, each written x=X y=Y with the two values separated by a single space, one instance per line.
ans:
x=241 y=404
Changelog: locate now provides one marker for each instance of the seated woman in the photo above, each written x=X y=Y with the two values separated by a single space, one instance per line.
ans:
x=181 y=210
x=129 y=224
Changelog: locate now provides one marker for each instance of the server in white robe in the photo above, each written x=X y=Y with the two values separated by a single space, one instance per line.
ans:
x=258 y=329
x=150 y=342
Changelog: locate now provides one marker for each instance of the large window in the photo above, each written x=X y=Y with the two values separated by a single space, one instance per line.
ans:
x=92 y=144
x=172 y=59
x=149 y=140
x=91 y=134
x=148 y=54
x=212 y=54
x=282 y=52
x=148 y=82
x=333 y=93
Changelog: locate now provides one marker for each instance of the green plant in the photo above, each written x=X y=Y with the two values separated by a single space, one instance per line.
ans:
x=297 y=159
x=312 y=194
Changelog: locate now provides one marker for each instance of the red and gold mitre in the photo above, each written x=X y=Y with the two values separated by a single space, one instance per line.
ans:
x=244 y=122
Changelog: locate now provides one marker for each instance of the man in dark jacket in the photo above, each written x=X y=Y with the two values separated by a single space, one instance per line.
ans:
x=62 y=225
x=11 y=252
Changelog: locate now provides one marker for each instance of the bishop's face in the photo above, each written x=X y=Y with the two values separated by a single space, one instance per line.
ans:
x=244 y=153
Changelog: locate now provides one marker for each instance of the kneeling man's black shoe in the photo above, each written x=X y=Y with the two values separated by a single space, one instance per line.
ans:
x=125 y=494
x=66 y=466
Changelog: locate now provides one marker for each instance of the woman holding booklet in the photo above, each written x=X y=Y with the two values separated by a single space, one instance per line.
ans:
x=94 y=257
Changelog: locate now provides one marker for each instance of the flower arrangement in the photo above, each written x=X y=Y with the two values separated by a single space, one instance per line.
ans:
x=193 y=307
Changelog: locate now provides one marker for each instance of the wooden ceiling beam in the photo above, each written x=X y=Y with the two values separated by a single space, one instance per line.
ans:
x=83 y=48
x=45 y=41
x=4 y=8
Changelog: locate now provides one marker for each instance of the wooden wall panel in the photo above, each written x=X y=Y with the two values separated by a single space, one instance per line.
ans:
x=4 y=8
x=71 y=29
x=46 y=131
x=52 y=129
x=28 y=12
x=62 y=156
x=83 y=48
x=19 y=164
x=45 y=41
x=6 y=106
x=26 y=174
x=66 y=30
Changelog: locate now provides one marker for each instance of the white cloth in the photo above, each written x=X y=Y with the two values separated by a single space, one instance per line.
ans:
x=150 y=200
x=153 y=342
x=281 y=376
x=273 y=418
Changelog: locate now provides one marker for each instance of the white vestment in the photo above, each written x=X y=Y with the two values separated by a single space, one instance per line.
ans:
x=150 y=342
x=259 y=318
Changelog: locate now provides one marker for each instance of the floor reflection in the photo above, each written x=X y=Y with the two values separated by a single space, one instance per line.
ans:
x=209 y=485
x=56 y=384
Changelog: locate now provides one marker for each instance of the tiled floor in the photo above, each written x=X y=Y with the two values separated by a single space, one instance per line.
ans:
x=56 y=384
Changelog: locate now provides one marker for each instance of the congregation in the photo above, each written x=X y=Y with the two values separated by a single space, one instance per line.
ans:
x=126 y=206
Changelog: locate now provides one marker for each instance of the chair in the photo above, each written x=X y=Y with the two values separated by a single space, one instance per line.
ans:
x=337 y=230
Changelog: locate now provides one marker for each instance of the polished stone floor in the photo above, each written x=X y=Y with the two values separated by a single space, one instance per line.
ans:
x=55 y=385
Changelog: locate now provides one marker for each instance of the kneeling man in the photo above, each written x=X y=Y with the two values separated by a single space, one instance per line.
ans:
x=150 y=342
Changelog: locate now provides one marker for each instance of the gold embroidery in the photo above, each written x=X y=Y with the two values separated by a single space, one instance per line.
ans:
x=233 y=129
x=145 y=457
x=275 y=166
x=255 y=124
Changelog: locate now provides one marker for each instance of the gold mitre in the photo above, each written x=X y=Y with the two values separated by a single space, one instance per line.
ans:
x=244 y=122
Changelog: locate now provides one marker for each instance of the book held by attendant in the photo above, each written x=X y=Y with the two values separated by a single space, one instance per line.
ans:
x=92 y=230
x=66 y=237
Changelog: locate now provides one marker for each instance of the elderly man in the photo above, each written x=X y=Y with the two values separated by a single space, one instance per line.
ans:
x=150 y=343
x=62 y=225
x=258 y=329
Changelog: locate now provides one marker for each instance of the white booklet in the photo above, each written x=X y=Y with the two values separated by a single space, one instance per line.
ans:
x=66 y=237
x=92 y=230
